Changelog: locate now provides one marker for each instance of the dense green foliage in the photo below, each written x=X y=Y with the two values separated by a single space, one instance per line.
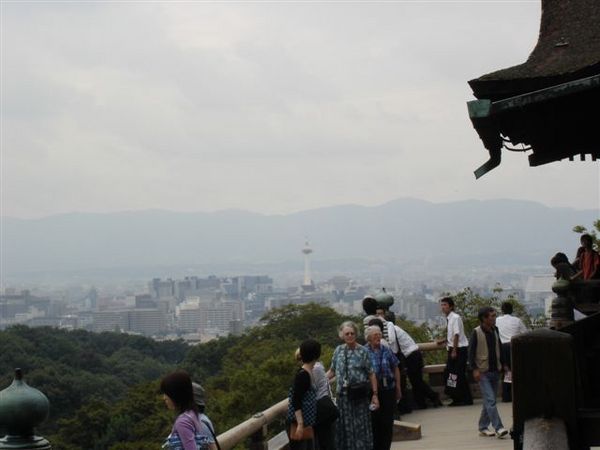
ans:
x=87 y=377
x=256 y=369
x=103 y=388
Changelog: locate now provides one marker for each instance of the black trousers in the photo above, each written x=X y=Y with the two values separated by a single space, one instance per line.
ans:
x=462 y=392
x=420 y=389
x=405 y=405
x=506 y=387
x=382 y=420
x=325 y=434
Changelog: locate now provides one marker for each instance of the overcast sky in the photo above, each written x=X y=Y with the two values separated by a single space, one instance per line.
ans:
x=262 y=106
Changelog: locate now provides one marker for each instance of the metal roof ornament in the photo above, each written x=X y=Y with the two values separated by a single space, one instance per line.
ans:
x=22 y=408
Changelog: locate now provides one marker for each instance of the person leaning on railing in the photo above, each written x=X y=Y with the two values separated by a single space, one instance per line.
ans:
x=588 y=260
x=401 y=343
x=356 y=388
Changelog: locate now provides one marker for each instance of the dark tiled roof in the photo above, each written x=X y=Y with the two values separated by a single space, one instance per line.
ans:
x=568 y=48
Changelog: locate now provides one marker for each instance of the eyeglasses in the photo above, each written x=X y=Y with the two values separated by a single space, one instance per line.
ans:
x=349 y=333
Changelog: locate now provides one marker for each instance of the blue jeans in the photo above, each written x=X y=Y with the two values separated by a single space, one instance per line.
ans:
x=488 y=384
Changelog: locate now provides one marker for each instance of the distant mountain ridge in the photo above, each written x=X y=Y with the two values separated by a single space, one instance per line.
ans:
x=509 y=231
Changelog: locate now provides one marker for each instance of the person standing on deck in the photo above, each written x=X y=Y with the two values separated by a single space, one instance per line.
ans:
x=487 y=362
x=356 y=387
x=385 y=367
x=457 y=385
x=508 y=326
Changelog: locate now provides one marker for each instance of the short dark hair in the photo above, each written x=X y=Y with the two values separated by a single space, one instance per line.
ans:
x=449 y=301
x=376 y=322
x=587 y=238
x=178 y=387
x=369 y=305
x=310 y=350
x=484 y=312
x=507 y=308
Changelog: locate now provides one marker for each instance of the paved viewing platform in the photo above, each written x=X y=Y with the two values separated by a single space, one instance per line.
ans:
x=455 y=428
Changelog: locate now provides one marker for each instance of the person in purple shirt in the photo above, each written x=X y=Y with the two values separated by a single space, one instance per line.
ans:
x=178 y=395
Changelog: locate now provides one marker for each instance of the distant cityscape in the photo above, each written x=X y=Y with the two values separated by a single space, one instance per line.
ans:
x=198 y=309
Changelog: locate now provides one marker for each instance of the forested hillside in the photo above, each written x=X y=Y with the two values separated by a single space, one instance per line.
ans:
x=103 y=388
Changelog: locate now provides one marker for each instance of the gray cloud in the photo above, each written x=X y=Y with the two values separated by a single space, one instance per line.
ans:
x=263 y=106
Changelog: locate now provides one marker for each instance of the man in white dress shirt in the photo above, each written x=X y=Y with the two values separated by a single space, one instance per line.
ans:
x=508 y=326
x=402 y=343
x=455 y=375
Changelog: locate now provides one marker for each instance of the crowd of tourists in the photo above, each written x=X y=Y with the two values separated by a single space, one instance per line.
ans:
x=370 y=383
x=369 y=386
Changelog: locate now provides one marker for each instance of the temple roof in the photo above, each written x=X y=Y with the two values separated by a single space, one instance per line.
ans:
x=568 y=48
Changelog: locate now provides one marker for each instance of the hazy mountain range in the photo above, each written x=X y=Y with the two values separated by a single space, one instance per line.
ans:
x=404 y=231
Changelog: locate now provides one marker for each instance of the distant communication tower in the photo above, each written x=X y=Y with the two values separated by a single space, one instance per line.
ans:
x=308 y=283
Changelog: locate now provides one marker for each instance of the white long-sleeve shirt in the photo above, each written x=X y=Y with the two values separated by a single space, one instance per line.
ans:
x=407 y=343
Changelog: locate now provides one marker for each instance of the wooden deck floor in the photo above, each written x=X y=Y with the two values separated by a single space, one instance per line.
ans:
x=455 y=428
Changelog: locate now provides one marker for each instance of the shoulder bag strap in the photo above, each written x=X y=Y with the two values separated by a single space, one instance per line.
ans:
x=211 y=432
x=347 y=380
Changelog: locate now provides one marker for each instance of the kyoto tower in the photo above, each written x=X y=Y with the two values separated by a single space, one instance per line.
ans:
x=308 y=284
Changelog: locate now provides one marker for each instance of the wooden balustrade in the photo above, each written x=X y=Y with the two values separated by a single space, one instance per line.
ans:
x=253 y=427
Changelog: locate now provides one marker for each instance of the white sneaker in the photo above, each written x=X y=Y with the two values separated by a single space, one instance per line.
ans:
x=501 y=433
x=487 y=433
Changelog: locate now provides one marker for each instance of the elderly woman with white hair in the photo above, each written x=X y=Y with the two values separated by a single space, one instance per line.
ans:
x=356 y=391
x=385 y=366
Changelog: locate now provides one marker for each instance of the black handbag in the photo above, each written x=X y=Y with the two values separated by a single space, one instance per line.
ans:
x=327 y=411
x=356 y=391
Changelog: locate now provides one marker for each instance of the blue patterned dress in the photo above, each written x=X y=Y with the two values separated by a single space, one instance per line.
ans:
x=353 y=429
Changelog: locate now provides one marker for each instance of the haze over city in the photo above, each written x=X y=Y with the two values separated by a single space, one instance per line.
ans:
x=146 y=141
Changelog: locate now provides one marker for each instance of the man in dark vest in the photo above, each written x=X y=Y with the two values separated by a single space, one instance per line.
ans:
x=487 y=361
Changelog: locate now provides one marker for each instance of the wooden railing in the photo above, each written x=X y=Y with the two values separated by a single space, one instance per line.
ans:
x=256 y=427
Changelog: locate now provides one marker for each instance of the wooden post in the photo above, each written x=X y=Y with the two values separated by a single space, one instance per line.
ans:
x=258 y=441
x=545 y=434
x=562 y=306
x=544 y=381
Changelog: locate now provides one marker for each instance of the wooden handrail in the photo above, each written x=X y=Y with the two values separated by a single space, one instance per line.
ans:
x=257 y=422
x=431 y=346
x=244 y=430
x=434 y=368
